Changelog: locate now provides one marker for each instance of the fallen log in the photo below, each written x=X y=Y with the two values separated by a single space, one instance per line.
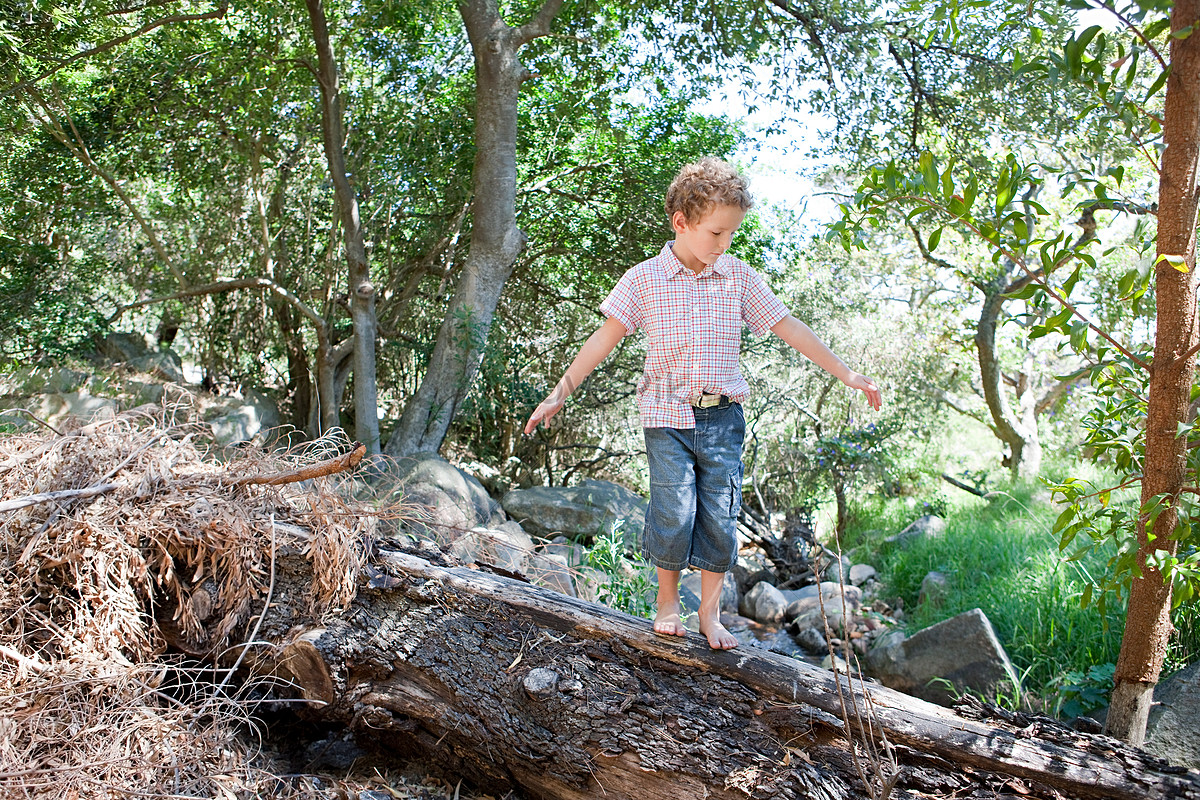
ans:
x=518 y=687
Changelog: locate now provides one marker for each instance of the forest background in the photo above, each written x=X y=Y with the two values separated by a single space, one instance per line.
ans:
x=400 y=218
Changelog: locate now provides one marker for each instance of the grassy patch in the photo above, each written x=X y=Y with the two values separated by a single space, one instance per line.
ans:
x=998 y=555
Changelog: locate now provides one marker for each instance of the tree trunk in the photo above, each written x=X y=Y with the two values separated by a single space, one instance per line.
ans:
x=517 y=686
x=1148 y=621
x=361 y=290
x=1019 y=433
x=496 y=241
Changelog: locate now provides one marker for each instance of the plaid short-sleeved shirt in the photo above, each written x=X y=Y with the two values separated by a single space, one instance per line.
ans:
x=694 y=324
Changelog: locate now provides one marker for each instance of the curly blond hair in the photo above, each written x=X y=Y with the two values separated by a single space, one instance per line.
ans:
x=708 y=182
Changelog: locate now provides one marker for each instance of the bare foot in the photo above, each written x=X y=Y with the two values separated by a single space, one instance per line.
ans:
x=719 y=637
x=667 y=621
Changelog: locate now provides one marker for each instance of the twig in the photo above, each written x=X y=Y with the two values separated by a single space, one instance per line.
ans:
x=50 y=497
x=23 y=661
x=963 y=486
x=330 y=466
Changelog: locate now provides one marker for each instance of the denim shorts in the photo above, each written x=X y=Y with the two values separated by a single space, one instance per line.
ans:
x=695 y=491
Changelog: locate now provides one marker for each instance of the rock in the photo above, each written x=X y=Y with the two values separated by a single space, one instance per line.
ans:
x=690 y=592
x=1172 y=733
x=57 y=408
x=832 y=595
x=779 y=642
x=837 y=571
x=573 y=552
x=541 y=683
x=123 y=347
x=861 y=573
x=237 y=420
x=934 y=588
x=162 y=364
x=27 y=381
x=551 y=572
x=963 y=650
x=929 y=526
x=812 y=640
x=764 y=603
x=504 y=548
x=588 y=583
x=589 y=509
x=453 y=502
x=750 y=569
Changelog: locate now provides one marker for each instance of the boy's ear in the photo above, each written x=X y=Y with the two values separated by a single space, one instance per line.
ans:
x=679 y=221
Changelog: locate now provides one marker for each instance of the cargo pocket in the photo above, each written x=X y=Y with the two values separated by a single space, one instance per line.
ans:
x=735 y=491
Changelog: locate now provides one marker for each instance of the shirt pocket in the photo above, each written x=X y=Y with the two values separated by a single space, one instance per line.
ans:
x=723 y=312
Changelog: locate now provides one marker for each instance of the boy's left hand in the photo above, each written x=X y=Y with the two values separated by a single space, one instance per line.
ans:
x=867 y=387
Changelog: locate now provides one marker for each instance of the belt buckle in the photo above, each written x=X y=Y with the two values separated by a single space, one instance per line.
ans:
x=707 y=400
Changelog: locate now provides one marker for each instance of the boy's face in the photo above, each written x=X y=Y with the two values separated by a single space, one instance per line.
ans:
x=699 y=244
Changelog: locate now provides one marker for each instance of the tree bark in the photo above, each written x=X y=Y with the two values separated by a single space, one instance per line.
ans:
x=361 y=290
x=1148 y=622
x=517 y=686
x=496 y=241
x=1019 y=432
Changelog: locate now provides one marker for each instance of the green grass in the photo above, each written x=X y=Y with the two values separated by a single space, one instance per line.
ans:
x=999 y=556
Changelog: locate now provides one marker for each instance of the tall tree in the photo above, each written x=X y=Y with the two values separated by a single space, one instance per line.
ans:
x=496 y=241
x=1172 y=374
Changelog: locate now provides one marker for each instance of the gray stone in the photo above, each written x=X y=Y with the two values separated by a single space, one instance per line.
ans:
x=832 y=595
x=540 y=683
x=551 y=572
x=588 y=583
x=837 y=571
x=42 y=380
x=452 y=501
x=929 y=526
x=504 y=548
x=58 y=408
x=861 y=573
x=934 y=588
x=689 y=589
x=962 y=650
x=812 y=640
x=162 y=364
x=764 y=603
x=1172 y=733
x=236 y=420
x=123 y=347
x=589 y=509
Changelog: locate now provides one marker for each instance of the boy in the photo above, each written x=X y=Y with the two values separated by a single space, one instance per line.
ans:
x=692 y=300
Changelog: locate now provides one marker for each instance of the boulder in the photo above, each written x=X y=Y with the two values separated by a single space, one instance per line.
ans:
x=550 y=571
x=27 y=381
x=934 y=588
x=240 y=420
x=962 y=650
x=451 y=501
x=162 y=364
x=862 y=573
x=833 y=596
x=1172 y=733
x=507 y=547
x=929 y=526
x=764 y=603
x=592 y=508
x=123 y=347
x=690 y=584
x=57 y=408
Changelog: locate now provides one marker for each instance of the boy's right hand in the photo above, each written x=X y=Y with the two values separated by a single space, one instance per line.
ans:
x=545 y=410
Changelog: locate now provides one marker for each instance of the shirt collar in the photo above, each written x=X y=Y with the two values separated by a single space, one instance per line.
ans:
x=672 y=265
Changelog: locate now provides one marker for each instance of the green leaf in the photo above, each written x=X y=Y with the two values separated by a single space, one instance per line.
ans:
x=935 y=238
x=928 y=171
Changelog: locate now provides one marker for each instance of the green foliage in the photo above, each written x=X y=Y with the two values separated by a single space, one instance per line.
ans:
x=1082 y=691
x=999 y=558
x=45 y=310
x=628 y=587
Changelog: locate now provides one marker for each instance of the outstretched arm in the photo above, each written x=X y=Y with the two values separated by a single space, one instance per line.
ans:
x=594 y=350
x=807 y=343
